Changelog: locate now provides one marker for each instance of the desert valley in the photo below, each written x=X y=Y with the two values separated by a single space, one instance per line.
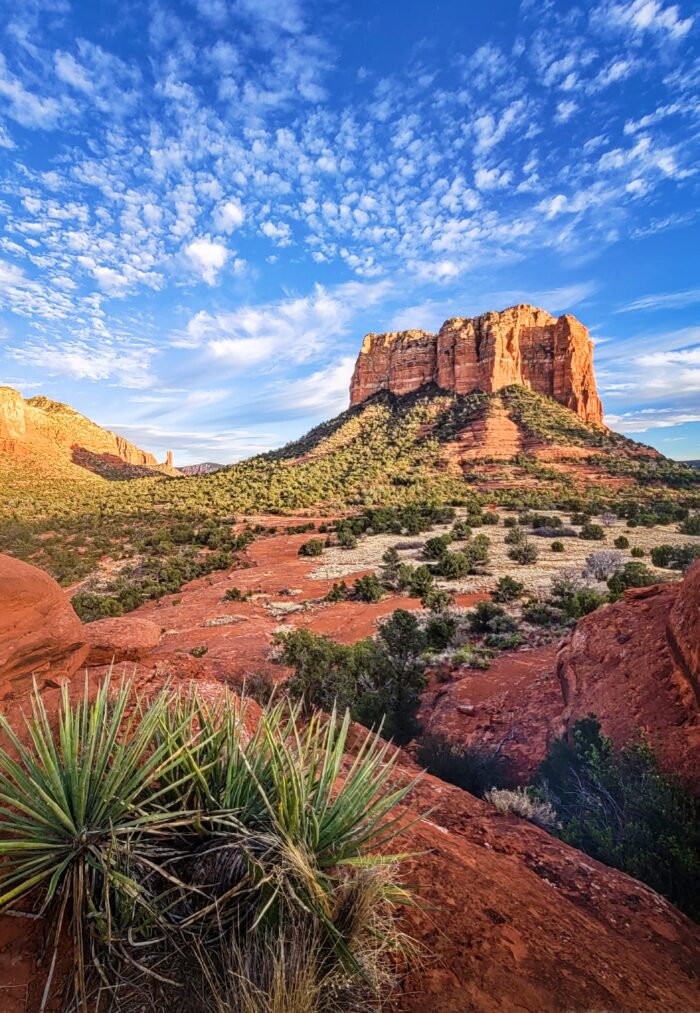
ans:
x=349 y=506
x=468 y=560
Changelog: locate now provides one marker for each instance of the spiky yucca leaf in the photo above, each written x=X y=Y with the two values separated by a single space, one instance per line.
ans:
x=74 y=799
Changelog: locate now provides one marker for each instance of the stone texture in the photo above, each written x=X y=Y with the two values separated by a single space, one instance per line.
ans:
x=40 y=634
x=553 y=356
x=122 y=639
x=636 y=665
x=49 y=426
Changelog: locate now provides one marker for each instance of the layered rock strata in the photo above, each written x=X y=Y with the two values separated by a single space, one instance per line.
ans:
x=524 y=345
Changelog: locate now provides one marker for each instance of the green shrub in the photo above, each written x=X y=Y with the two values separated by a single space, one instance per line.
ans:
x=557 y=546
x=461 y=531
x=631 y=575
x=435 y=548
x=675 y=557
x=621 y=542
x=524 y=553
x=507 y=589
x=475 y=769
x=440 y=631
x=314 y=547
x=592 y=532
x=618 y=807
x=235 y=594
x=346 y=537
x=515 y=536
x=422 y=582
x=199 y=652
x=691 y=525
x=368 y=588
x=489 y=618
x=490 y=517
x=539 y=613
x=637 y=551
x=339 y=592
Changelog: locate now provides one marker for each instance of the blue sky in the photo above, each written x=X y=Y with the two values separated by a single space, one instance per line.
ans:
x=204 y=204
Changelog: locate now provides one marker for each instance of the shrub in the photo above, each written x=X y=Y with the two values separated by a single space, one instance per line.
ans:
x=637 y=552
x=691 y=525
x=391 y=561
x=368 y=588
x=620 y=808
x=491 y=517
x=507 y=589
x=545 y=521
x=489 y=618
x=524 y=803
x=436 y=599
x=199 y=652
x=592 y=532
x=524 y=553
x=235 y=594
x=515 y=536
x=347 y=539
x=339 y=592
x=539 y=613
x=422 y=582
x=631 y=575
x=603 y=564
x=461 y=531
x=454 y=565
x=509 y=522
x=675 y=557
x=557 y=546
x=314 y=547
x=440 y=631
x=379 y=680
x=543 y=532
x=473 y=768
x=436 y=547
x=621 y=542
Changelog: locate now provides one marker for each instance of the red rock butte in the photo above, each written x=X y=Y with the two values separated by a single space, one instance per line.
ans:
x=524 y=345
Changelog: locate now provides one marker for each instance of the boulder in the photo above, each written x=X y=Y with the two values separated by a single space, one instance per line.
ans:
x=520 y=345
x=40 y=634
x=118 y=640
x=636 y=665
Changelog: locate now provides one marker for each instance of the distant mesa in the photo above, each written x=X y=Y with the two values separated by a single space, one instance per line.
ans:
x=520 y=345
x=51 y=429
x=206 y=468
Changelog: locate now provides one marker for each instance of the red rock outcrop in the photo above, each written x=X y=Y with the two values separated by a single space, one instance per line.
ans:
x=118 y=640
x=553 y=356
x=40 y=634
x=50 y=427
x=635 y=664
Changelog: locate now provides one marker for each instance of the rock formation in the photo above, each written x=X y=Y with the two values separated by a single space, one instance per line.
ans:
x=636 y=664
x=522 y=344
x=40 y=634
x=50 y=427
x=117 y=640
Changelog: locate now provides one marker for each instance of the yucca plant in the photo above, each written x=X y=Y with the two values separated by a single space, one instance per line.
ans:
x=76 y=799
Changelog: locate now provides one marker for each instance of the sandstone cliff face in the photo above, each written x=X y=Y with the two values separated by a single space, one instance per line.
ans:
x=522 y=344
x=45 y=425
x=636 y=664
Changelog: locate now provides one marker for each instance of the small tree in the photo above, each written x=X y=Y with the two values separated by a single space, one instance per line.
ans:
x=314 y=547
x=508 y=589
x=524 y=553
x=368 y=588
x=603 y=564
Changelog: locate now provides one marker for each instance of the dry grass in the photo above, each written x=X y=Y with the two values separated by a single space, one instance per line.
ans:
x=519 y=802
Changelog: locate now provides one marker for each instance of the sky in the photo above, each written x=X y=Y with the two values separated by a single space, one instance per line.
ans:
x=205 y=204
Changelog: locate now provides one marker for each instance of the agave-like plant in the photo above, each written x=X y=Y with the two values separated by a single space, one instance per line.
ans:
x=75 y=799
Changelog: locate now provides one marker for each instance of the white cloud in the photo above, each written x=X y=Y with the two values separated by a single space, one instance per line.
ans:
x=96 y=360
x=641 y=16
x=663 y=300
x=229 y=216
x=206 y=258
x=280 y=233
x=294 y=329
